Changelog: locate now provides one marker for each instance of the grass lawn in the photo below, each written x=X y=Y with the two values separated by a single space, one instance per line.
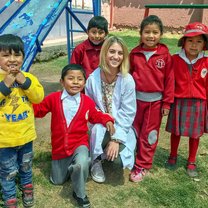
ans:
x=161 y=188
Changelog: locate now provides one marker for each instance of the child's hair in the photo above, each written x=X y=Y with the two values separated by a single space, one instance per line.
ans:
x=72 y=67
x=98 y=22
x=9 y=42
x=152 y=19
x=124 y=68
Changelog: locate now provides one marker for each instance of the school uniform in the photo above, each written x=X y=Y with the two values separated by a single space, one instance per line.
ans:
x=87 y=55
x=153 y=74
x=69 y=136
x=188 y=115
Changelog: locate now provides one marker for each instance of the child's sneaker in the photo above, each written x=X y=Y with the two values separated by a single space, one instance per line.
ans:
x=27 y=195
x=137 y=174
x=85 y=203
x=171 y=163
x=11 y=203
x=192 y=170
x=97 y=172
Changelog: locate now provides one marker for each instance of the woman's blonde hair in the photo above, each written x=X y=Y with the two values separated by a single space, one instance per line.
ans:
x=124 y=67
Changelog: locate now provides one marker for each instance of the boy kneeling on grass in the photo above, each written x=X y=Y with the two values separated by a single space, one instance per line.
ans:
x=70 y=113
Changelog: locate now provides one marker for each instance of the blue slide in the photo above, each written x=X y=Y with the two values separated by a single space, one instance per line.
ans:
x=32 y=20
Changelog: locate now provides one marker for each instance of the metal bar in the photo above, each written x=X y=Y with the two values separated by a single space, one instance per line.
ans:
x=13 y=16
x=82 y=11
x=77 y=20
x=177 y=6
x=6 y=6
x=68 y=35
x=146 y=12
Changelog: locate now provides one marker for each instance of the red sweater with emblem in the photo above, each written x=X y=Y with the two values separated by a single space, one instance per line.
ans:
x=194 y=84
x=154 y=75
x=87 y=55
x=65 y=140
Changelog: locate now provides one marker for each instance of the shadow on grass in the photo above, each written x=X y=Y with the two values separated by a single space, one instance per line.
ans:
x=114 y=174
x=162 y=155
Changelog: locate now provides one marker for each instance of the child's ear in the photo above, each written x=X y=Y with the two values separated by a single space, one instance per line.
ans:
x=62 y=82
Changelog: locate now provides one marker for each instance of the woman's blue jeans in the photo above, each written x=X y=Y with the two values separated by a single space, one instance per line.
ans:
x=15 y=161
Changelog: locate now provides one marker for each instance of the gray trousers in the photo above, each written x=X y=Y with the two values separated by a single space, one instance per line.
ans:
x=76 y=167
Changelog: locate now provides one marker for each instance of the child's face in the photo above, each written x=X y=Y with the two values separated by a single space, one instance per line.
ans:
x=73 y=82
x=114 y=56
x=193 y=46
x=96 y=36
x=11 y=61
x=151 y=35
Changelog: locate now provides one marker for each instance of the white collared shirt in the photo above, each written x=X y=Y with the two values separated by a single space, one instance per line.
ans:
x=70 y=105
x=182 y=54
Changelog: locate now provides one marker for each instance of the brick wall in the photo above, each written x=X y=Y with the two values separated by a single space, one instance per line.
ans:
x=129 y=13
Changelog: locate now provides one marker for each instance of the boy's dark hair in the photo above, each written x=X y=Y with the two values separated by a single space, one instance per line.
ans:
x=72 y=67
x=152 y=19
x=99 y=22
x=11 y=42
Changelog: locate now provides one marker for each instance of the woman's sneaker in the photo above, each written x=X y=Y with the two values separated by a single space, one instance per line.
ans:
x=137 y=174
x=97 y=172
x=11 y=203
x=191 y=170
x=27 y=195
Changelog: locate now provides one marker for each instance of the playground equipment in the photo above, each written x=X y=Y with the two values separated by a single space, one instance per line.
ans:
x=32 y=20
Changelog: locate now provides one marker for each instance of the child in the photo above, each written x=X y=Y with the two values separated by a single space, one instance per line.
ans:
x=18 y=90
x=151 y=68
x=71 y=112
x=188 y=115
x=113 y=90
x=87 y=53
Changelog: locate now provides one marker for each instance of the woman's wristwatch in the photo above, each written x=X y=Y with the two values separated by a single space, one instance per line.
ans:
x=115 y=140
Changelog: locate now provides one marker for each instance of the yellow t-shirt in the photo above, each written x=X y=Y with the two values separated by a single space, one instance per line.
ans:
x=17 y=125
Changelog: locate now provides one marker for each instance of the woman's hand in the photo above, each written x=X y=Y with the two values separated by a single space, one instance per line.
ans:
x=110 y=127
x=112 y=150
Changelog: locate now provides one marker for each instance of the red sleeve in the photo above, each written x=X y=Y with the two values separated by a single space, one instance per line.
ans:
x=41 y=109
x=97 y=116
x=168 y=94
x=77 y=55
x=131 y=63
x=207 y=88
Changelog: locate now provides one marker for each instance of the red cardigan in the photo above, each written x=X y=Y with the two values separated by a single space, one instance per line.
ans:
x=66 y=139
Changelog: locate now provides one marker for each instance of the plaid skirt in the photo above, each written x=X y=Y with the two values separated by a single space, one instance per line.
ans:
x=188 y=117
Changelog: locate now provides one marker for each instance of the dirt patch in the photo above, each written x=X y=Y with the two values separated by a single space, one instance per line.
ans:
x=51 y=84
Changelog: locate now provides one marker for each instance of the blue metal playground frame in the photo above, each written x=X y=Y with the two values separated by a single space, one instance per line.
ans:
x=33 y=26
x=71 y=14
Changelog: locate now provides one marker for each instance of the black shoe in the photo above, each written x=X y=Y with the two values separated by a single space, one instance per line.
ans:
x=82 y=202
